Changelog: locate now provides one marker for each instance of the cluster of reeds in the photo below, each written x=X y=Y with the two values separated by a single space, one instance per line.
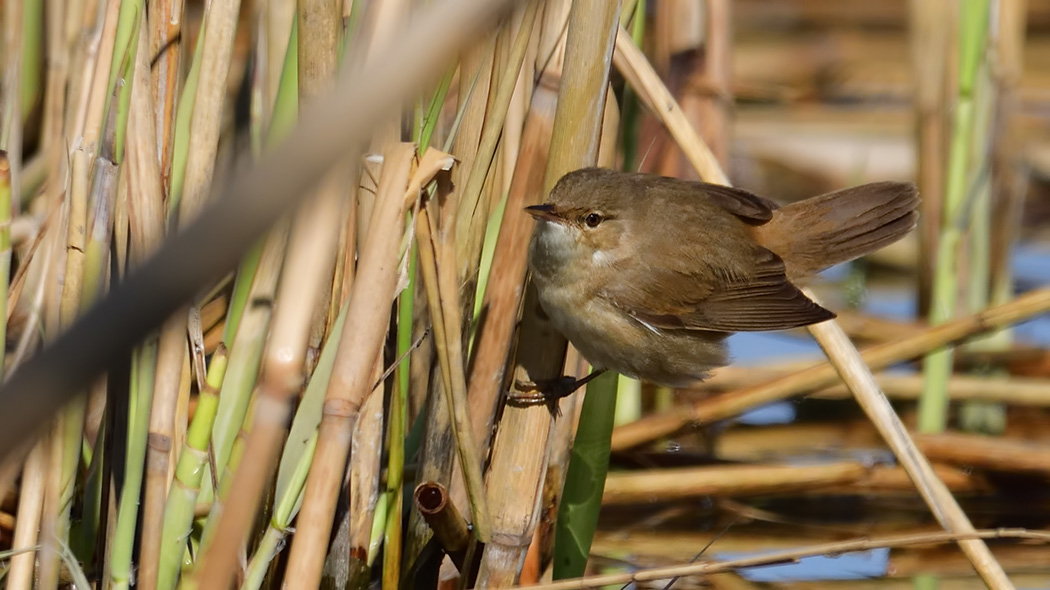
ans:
x=233 y=390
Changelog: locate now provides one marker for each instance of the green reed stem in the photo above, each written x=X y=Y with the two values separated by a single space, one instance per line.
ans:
x=973 y=24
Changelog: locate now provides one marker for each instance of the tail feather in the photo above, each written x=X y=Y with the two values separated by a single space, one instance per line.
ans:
x=817 y=233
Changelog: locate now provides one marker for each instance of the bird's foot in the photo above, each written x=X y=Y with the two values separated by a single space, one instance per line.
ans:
x=547 y=391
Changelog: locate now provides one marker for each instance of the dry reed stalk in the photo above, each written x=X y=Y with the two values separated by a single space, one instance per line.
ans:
x=30 y=503
x=519 y=455
x=688 y=482
x=214 y=243
x=54 y=115
x=1020 y=391
x=850 y=365
x=713 y=87
x=1009 y=390
x=835 y=548
x=367 y=452
x=649 y=547
x=320 y=29
x=205 y=122
x=165 y=56
x=986 y=452
x=868 y=327
x=877 y=357
x=449 y=527
x=310 y=254
x=359 y=347
x=438 y=266
x=473 y=208
x=475 y=79
x=146 y=220
x=924 y=561
x=631 y=62
x=502 y=300
x=895 y=480
x=1008 y=185
x=217 y=47
x=277 y=22
x=930 y=23
x=167 y=385
x=11 y=119
x=97 y=90
x=564 y=432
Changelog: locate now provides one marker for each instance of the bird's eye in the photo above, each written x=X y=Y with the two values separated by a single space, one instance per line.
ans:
x=592 y=219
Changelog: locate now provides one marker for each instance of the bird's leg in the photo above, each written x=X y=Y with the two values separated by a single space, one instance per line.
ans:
x=548 y=391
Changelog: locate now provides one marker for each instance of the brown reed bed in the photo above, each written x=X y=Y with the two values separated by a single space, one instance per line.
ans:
x=264 y=269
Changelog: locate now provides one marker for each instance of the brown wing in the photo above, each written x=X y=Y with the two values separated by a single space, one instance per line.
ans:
x=749 y=207
x=703 y=300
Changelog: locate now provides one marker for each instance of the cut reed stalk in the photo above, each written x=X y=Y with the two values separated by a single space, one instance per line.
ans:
x=449 y=527
x=519 y=454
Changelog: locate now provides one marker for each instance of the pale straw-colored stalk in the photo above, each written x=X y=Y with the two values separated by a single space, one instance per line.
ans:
x=165 y=50
x=30 y=502
x=146 y=224
x=350 y=383
x=519 y=454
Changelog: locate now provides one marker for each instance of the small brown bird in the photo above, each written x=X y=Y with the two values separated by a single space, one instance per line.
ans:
x=648 y=275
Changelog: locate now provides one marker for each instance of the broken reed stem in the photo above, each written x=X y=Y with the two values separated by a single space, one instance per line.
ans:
x=821 y=375
x=359 y=347
x=449 y=527
x=788 y=556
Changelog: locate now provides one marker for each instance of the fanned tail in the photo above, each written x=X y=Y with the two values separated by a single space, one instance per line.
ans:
x=820 y=232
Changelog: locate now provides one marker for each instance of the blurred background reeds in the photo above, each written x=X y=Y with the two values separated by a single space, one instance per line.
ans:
x=263 y=271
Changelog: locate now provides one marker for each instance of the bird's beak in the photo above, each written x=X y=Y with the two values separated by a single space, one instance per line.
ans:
x=544 y=212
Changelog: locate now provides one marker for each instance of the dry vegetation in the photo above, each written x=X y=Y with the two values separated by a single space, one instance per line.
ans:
x=208 y=385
